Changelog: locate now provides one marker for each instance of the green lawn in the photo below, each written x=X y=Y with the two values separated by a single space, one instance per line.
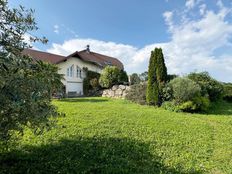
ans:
x=100 y=135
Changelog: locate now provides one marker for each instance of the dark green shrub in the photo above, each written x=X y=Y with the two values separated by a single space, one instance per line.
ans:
x=209 y=87
x=137 y=93
x=89 y=83
x=109 y=77
x=123 y=77
x=94 y=83
x=184 y=89
x=227 y=95
x=171 y=77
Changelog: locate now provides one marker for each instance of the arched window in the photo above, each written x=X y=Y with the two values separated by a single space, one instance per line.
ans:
x=70 y=71
x=79 y=72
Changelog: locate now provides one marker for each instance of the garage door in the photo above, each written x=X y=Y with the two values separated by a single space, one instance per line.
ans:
x=74 y=87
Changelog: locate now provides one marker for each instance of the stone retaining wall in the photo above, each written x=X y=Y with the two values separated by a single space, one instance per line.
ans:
x=117 y=91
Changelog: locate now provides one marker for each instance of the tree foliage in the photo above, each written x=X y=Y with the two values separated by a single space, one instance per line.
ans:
x=90 y=81
x=123 y=77
x=26 y=85
x=210 y=87
x=111 y=75
x=134 y=79
x=157 y=76
x=184 y=89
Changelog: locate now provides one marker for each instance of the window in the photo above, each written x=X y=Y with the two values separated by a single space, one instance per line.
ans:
x=79 y=72
x=70 y=71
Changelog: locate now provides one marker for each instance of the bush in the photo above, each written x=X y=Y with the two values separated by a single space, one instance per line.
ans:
x=227 y=95
x=137 y=93
x=198 y=104
x=94 y=83
x=111 y=75
x=123 y=77
x=184 y=89
x=209 y=87
x=170 y=106
x=90 y=82
x=167 y=93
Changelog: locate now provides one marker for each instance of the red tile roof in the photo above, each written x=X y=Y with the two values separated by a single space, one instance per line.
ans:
x=47 y=57
x=98 y=59
x=87 y=56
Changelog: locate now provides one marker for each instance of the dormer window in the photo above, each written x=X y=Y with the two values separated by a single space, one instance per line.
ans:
x=108 y=63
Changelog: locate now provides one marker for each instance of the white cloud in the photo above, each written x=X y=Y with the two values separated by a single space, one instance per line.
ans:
x=27 y=39
x=192 y=47
x=168 y=17
x=190 y=4
x=202 y=9
x=56 y=29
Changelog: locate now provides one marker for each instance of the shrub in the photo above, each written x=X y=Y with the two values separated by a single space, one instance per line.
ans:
x=123 y=77
x=198 y=104
x=170 y=106
x=167 y=93
x=109 y=76
x=137 y=93
x=90 y=81
x=227 y=95
x=209 y=86
x=94 y=83
x=184 y=89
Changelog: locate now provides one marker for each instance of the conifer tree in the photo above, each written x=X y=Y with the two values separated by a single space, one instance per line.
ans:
x=157 y=76
x=152 y=95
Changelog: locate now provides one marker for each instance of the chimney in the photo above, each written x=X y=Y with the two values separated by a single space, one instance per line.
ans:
x=88 y=49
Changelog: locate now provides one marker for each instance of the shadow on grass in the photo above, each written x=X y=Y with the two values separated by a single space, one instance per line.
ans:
x=83 y=99
x=86 y=155
x=221 y=108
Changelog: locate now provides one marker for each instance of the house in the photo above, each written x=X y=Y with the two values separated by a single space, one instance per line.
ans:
x=73 y=66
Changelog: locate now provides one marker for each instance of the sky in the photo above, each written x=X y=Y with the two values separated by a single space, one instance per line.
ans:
x=195 y=35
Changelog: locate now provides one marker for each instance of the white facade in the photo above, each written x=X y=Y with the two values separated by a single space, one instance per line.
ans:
x=73 y=72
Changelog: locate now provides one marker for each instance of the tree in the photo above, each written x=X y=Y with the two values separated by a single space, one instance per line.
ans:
x=143 y=76
x=210 y=87
x=152 y=94
x=161 y=69
x=123 y=77
x=26 y=85
x=157 y=77
x=109 y=76
x=134 y=79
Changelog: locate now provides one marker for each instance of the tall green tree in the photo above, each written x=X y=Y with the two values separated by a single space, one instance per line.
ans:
x=152 y=95
x=161 y=69
x=26 y=85
x=157 y=76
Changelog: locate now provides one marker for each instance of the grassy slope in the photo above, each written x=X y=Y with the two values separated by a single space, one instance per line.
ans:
x=114 y=136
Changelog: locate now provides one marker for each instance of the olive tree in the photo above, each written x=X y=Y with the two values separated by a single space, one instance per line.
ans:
x=26 y=85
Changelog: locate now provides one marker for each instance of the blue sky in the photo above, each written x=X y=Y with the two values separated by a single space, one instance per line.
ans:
x=195 y=34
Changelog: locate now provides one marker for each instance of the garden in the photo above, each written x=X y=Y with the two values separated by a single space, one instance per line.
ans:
x=102 y=135
x=165 y=124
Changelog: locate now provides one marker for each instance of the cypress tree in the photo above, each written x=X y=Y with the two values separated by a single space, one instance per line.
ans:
x=152 y=95
x=161 y=69
x=157 y=76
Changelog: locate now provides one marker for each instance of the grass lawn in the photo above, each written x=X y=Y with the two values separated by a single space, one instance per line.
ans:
x=100 y=135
